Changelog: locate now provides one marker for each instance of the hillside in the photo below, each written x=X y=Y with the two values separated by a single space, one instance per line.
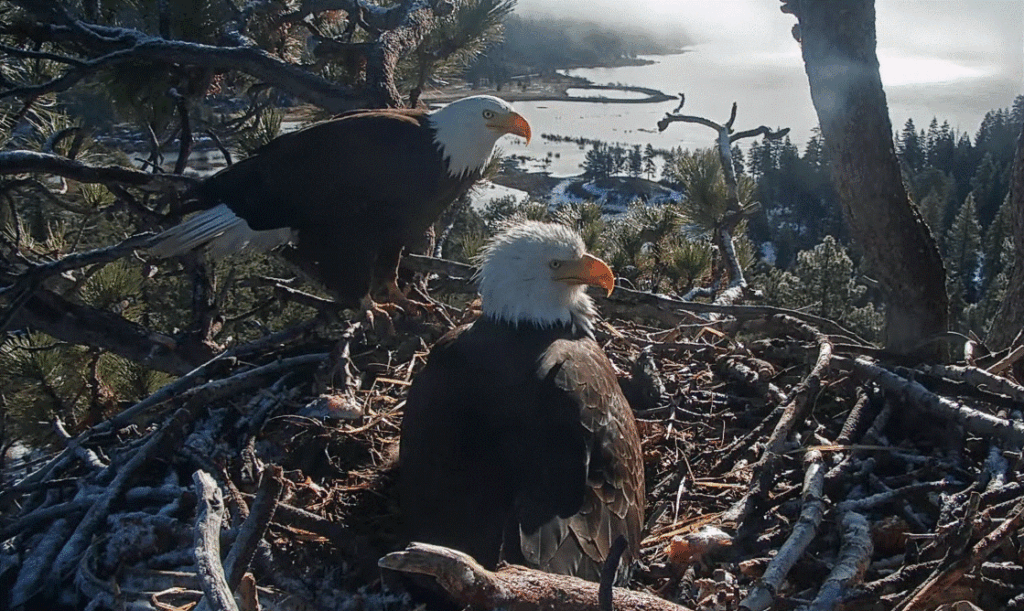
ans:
x=541 y=46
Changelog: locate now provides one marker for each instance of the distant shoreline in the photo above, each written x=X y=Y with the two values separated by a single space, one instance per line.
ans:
x=559 y=94
x=555 y=89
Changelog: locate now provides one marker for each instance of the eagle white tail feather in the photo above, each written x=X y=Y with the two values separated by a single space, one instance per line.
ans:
x=221 y=232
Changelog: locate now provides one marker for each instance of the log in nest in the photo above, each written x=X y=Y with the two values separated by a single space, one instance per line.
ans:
x=787 y=467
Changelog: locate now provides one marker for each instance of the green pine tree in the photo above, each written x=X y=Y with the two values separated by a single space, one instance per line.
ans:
x=823 y=282
x=963 y=246
x=962 y=256
x=993 y=248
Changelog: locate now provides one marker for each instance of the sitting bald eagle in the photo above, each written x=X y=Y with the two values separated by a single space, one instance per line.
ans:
x=348 y=194
x=517 y=443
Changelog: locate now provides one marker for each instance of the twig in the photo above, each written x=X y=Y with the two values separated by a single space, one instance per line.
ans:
x=913 y=392
x=206 y=545
x=854 y=557
x=763 y=594
x=949 y=575
x=882 y=498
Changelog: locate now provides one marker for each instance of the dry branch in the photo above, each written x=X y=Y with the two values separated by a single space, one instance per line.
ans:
x=957 y=567
x=1011 y=433
x=207 y=544
x=979 y=378
x=734 y=213
x=24 y=162
x=72 y=551
x=804 y=531
x=854 y=557
x=512 y=586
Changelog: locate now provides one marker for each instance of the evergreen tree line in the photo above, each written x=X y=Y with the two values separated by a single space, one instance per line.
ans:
x=959 y=184
x=603 y=160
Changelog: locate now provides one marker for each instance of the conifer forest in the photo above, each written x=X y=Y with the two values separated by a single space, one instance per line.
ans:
x=823 y=345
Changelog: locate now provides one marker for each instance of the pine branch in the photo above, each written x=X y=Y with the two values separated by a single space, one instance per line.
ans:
x=21 y=162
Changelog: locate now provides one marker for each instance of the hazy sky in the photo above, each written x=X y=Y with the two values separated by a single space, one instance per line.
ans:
x=918 y=40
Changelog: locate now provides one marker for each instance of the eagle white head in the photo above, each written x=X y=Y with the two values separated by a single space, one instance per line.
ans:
x=468 y=129
x=538 y=273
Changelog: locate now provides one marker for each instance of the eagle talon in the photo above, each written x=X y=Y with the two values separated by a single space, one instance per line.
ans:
x=399 y=299
x=371 y=310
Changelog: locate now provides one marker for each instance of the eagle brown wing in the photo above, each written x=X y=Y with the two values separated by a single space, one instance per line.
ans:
x=613 y=498
x=355 y=168
x=519 y=446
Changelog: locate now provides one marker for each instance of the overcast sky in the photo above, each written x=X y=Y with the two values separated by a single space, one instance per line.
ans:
x=919 y=40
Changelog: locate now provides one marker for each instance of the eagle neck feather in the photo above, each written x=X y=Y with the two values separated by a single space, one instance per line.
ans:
x=577 y=318
x=465 y=151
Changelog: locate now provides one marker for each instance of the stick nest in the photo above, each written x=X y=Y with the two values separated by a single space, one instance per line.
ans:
x=785 y=468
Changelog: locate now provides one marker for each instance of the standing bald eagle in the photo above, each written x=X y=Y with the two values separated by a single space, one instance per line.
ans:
x=517 y=443
x=348 y=193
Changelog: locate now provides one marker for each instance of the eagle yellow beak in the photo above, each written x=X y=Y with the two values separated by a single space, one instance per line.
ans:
x=512 y=123
x=587 y=270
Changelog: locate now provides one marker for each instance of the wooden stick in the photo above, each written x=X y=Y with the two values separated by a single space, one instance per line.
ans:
x=206 y=545
x=854 y=557
x=958 y=568
x=913 y=392
x=763 y=594
x=512 y=586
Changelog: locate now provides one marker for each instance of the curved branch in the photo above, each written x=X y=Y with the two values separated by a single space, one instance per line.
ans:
x=759 y=131
x=19 y=162
x=253 y=61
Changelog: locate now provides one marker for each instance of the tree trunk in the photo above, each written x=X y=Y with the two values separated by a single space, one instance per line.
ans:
x=838 y=44
x=1009 y=319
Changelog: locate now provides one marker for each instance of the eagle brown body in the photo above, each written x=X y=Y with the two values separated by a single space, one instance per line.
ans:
x=346 y=195
x=518 y=445
x=348 y=230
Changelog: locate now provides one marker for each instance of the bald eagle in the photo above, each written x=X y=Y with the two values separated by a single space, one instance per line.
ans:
x=517 y=443
x=347 y=195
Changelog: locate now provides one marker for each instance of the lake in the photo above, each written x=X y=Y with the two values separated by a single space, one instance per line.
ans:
x=770 y=89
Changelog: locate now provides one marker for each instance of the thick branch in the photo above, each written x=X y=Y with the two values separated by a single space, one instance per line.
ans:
x=914 y=393
x=74 y=323
x=512 y=586
x=21 y=162
x=207 y=544
x=762 y=596
x=854 y=557
x=160 y=442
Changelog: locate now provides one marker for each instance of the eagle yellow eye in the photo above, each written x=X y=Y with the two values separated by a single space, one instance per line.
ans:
x=488 y=114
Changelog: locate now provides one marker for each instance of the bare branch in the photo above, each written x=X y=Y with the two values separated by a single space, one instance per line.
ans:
x=514 y=586
x=207 y=544
x=762 y=596
x=669 y=119
x=20 y=162
x=759 y=131
x=976 y=421
x=41 y=55
x=854 y=557
x=253 y=61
